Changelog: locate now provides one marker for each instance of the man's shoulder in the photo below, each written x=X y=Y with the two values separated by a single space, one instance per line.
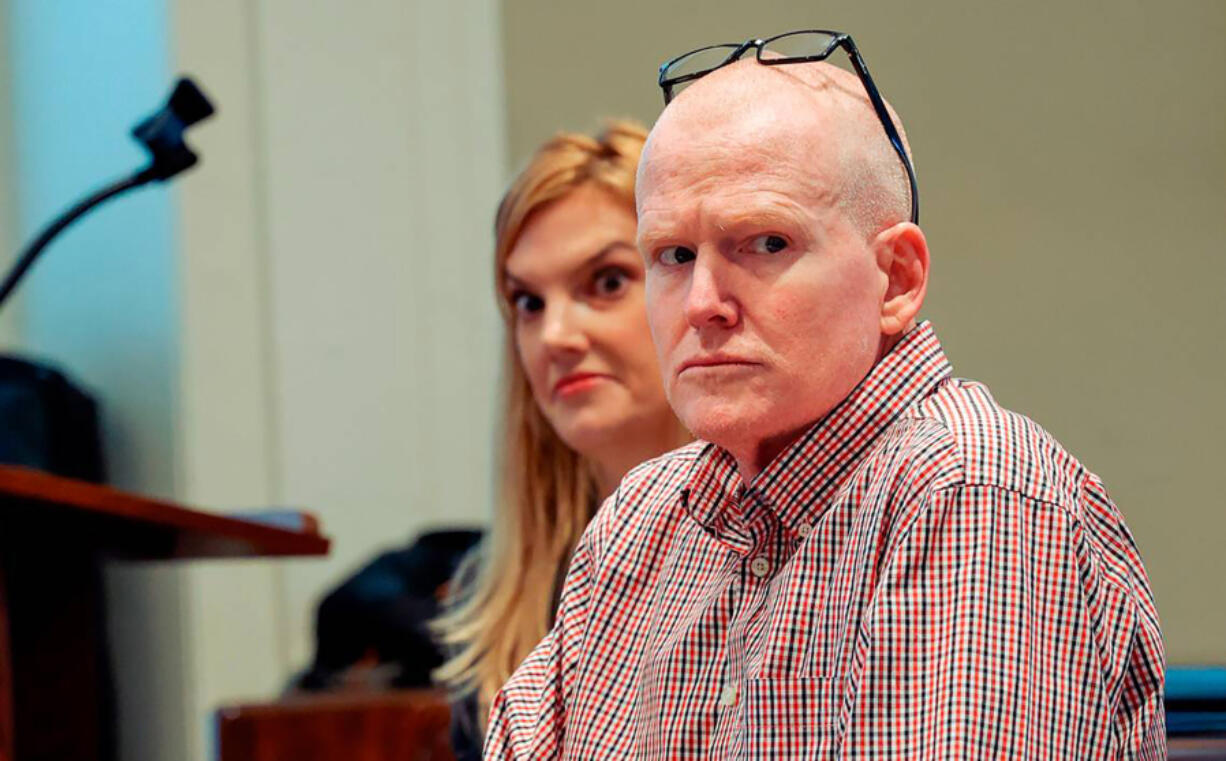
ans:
x=668 y=472
x=996 y=447
x=635 y=524
x=1003 y=450
x=651 y=489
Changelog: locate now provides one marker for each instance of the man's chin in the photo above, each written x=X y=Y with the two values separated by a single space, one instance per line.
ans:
x=725 y=424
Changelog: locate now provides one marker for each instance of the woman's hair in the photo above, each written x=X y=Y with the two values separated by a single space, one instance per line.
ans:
x=547 y=491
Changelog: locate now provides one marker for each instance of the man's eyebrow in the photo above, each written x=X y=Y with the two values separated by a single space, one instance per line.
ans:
x=654 y=226
x=764 y=215
x=587 y=263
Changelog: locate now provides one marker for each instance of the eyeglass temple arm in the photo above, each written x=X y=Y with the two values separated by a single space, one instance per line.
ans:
x=884 y=115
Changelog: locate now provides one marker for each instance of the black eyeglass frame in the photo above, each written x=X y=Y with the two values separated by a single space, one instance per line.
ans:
x=838 y=40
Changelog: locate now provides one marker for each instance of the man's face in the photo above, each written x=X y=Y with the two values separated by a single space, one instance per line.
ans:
x=763 y=300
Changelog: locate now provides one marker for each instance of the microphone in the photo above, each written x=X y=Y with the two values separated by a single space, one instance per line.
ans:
x=162 y=135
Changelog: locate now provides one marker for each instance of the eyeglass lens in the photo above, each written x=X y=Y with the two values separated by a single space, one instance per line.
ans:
x=700 y=61
x=794 y=45
x=799 y=45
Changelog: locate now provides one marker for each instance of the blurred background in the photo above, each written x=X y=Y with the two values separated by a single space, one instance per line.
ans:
x=307 y=318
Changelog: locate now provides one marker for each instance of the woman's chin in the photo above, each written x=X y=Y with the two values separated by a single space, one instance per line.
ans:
x=598 y=430
x=594 y=430
x=588 y=438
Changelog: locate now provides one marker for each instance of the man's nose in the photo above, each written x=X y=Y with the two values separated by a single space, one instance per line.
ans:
x=562 y=332
x=708 y=302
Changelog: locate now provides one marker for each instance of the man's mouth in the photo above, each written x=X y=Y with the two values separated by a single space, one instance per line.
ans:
x=715 y=362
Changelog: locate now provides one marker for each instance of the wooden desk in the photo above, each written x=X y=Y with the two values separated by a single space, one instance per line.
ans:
x=56 y=691
x=402 y=725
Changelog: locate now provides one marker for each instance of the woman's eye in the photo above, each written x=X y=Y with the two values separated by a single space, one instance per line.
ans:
x=768 y=244
x=527 y=304
x=676 y=255
x=610 y=282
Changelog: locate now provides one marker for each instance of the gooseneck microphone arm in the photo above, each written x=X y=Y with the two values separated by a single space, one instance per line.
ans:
x=162 y=134
x=64 y=220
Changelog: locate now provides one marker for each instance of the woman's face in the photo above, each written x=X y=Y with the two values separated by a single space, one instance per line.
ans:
x=575 y=284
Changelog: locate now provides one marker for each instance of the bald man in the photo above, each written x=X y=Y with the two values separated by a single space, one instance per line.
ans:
x=862 y=557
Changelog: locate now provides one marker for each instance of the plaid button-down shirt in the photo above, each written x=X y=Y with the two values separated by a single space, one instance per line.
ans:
x=923 y=575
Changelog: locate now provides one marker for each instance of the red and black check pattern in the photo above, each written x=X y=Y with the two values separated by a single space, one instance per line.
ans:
x=924 y=575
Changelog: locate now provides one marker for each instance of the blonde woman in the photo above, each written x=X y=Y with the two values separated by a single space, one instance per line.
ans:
x=584 y=402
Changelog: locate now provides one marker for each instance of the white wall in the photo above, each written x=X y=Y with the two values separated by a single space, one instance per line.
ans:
x=340 y=335
x=233 y=611
x=384 y=151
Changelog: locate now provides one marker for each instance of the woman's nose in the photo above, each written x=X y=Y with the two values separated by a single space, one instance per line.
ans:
x=563 y=333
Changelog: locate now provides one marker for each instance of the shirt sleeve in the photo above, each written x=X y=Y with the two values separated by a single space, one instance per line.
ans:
x=1140 y=719
x=1008 y=627
x=528 y=715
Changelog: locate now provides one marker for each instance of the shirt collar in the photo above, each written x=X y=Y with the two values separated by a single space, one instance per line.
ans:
x=796 y=484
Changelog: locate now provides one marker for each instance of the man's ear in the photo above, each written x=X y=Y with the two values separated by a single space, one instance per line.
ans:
x=902 y=256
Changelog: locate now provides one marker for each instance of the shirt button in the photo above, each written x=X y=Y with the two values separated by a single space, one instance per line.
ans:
x=804 y=530
x=760 y=567
x=727 y=696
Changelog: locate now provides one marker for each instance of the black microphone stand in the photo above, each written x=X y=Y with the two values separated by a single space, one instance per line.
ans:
x=162 y=134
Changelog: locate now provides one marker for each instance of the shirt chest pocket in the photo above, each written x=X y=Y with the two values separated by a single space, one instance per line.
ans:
x=811 y=612
x=790 y=718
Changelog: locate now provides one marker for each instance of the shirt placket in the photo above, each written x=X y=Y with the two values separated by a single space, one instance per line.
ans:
x=756 y=567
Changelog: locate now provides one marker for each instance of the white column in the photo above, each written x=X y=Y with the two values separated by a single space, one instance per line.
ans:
x=384 y=157
x=340 y=336
x=233 y=610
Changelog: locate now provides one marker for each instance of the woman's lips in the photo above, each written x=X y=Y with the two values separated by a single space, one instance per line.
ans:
x=577 y=383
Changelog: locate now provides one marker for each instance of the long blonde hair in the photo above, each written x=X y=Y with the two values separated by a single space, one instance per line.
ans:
x=548 y=491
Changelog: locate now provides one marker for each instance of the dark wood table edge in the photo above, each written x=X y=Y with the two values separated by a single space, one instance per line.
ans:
x=262 y=539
